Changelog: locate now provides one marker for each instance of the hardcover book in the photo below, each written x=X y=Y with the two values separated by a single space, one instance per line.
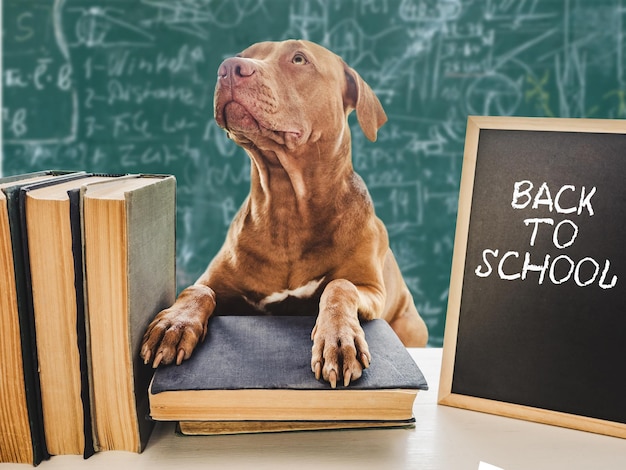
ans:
x=258 y=368
x=130 y=275
x=21 y=422
x=216 y=428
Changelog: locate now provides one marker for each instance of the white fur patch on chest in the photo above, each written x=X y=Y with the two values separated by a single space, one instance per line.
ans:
x=302 y=292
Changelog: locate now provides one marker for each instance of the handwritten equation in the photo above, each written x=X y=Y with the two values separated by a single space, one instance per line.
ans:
x=117 y=86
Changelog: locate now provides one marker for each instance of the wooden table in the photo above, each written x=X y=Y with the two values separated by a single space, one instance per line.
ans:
x=444 y=438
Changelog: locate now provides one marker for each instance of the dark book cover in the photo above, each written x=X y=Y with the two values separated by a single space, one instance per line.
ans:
x=260 y=352
x=81 y=326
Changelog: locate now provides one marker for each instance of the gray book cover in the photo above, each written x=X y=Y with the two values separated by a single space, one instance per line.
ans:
x=264 y=352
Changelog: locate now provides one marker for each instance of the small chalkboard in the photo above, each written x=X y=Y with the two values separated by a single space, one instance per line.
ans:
x=536 y=322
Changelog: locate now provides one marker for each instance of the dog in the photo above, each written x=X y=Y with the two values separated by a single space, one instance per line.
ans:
x=306 y=240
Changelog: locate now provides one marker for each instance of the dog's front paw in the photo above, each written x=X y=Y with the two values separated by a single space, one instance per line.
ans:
x=171 y=336
x=175 y=332
x=339 y=351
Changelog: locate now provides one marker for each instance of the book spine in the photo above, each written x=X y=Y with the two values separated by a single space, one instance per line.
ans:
x=159 y=200
x=81 y=326
x=27 y=325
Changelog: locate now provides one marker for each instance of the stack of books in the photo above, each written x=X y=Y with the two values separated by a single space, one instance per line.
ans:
x=253 y=374
x=86 y=261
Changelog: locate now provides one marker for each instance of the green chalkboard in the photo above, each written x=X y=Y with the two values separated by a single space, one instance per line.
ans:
x=127 y=86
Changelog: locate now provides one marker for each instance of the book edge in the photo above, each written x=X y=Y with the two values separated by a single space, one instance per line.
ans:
x=237 y=405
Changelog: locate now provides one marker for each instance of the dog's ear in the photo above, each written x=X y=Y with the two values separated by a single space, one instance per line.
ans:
x=359 y=96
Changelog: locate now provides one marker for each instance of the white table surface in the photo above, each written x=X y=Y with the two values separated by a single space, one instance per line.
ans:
x=444 y=438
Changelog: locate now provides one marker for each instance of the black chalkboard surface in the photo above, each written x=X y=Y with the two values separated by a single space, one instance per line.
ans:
x=536 y=324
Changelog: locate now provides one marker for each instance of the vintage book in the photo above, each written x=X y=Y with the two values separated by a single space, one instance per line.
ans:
x=53 y=255
x=258 y=369
x=214 y=428
x=21 y=423
x=130 y=260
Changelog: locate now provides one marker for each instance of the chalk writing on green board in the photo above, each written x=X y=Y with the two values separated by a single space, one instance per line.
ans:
x=119 y=86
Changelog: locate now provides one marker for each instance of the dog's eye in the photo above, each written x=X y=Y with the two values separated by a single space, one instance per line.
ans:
x=299 y=59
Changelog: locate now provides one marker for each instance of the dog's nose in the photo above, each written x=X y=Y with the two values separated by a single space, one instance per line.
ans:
x=236 y=69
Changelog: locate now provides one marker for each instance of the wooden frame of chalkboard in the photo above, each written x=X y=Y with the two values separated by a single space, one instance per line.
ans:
x=536 y=320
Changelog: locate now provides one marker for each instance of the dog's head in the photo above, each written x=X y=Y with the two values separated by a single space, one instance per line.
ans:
x=292 y=93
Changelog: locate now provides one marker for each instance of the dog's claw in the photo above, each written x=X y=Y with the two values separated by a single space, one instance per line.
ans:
x=346 y=378
x=365 y=361
x=318 y=370
x=180 y=357
x=146 y=357
x=157 y=360
x=332 y=379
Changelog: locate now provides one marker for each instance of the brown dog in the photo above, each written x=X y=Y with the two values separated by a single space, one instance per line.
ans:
x=306 y=240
